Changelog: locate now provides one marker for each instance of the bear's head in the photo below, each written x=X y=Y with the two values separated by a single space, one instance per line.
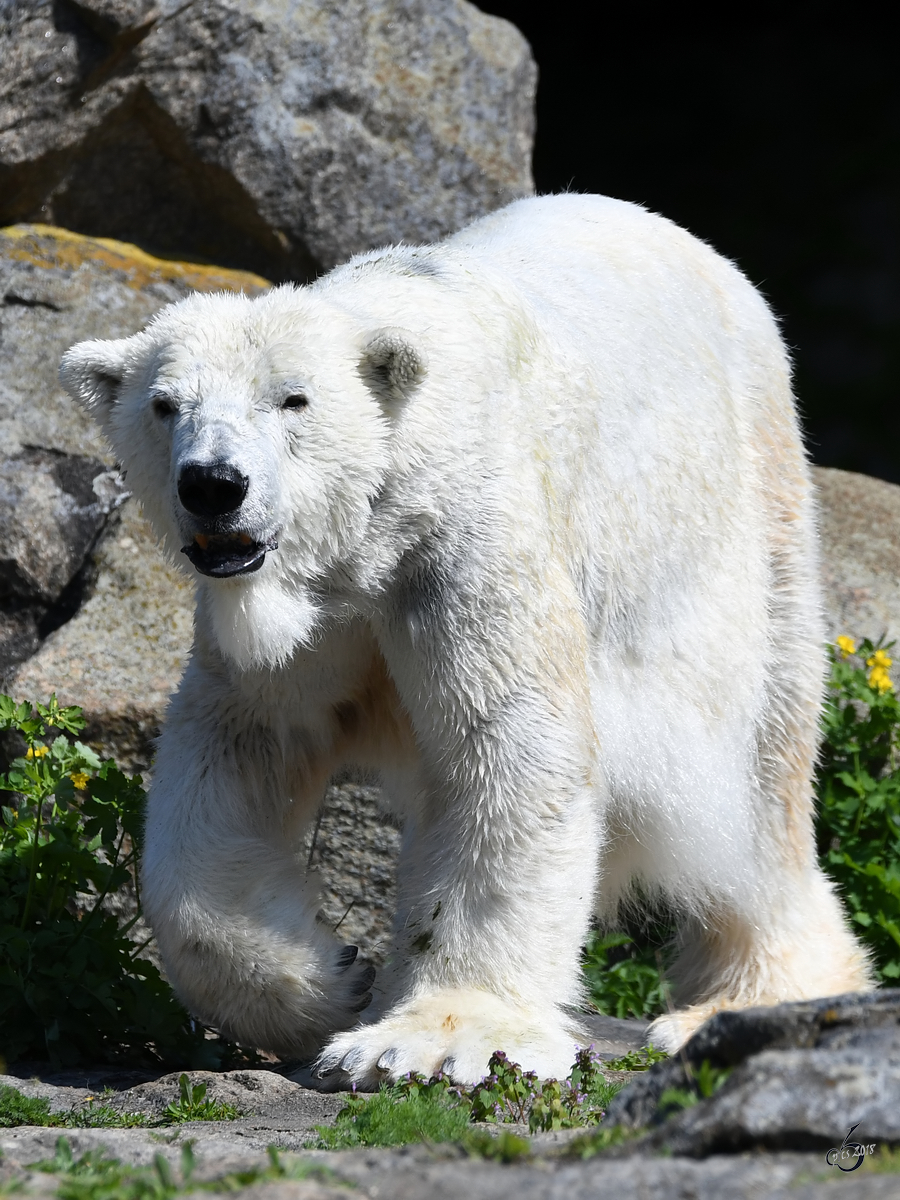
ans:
x=256 y=434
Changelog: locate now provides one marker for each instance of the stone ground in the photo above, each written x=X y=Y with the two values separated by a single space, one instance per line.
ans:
x=280 y=1111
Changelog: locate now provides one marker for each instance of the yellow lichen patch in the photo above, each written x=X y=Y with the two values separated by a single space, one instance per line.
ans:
x=49 y=246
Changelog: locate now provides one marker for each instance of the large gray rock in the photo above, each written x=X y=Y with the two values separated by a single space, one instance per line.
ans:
x=355 y=857
x=799 y=1100
x=278 y=136
x=124 y=651
x=53 y=508
x=802 y=1074
x=860 y=527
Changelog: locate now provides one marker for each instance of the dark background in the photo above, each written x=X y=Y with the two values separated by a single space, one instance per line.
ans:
x=771 y=131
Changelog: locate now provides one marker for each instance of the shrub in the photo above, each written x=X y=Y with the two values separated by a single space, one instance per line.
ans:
x=625 y=972
x=858 y=821
x=73 y=985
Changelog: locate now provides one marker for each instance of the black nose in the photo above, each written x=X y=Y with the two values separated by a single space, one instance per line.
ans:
x=212 y=489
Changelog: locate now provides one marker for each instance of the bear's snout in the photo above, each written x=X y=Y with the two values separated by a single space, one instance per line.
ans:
x=212 y=489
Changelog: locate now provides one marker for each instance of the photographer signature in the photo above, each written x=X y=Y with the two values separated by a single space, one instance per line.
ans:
x=847 y=1150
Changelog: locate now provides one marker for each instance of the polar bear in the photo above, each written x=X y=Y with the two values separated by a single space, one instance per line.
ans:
x=521 y=522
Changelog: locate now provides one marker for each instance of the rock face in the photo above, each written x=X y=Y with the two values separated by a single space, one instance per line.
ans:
x=355 y=858
x=801 y=1075
x=120 y=654
x=129 y=642
x=860 y=525
x=53 y=507
x=280 y=137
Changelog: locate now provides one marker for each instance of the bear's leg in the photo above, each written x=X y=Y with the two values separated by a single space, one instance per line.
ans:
x=778 y=933
x=773 y=931
x=224 y=883
x=796 y=946
x=501 y=855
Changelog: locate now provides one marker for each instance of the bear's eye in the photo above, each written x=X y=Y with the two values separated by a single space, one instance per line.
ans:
x=297 y=400
x=163 y=407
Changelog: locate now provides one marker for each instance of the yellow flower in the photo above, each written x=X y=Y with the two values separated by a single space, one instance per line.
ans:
x=846 y=645
x=36 y=751
x=879 y=678
x=80 y=779
x=879 y=661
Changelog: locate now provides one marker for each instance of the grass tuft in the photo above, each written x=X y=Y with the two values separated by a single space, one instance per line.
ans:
x=94 y=1176
x=192 y=1105
x=391 y=1119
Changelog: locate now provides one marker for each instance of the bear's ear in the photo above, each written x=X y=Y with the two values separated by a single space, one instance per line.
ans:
x=92 y=373
x=391 y=366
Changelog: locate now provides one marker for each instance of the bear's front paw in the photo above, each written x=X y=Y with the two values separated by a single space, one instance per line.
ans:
x=454 y=1030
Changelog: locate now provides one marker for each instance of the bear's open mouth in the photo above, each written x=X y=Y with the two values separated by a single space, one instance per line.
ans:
x=224 y=554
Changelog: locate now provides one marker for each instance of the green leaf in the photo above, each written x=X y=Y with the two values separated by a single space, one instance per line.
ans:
x=88 y=756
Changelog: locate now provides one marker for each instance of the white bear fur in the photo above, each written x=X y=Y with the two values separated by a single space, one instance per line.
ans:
x=547 y=564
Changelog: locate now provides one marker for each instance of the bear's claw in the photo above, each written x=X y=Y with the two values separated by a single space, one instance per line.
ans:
x=347 y=957
x=366 y=979
x=387 y=1060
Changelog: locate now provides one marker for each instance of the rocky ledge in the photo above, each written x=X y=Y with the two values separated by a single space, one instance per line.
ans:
x=789 y=1083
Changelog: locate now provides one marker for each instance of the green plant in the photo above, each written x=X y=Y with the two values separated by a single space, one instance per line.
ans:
x=858 y=818
x=708 y=1079
x=509 y=1094
x=703 y=1082
x=94 y=1176
x=503 y=1146
x=192 y=1105
x=885 y=1161
x=16 y=1109
x=103 y=1116
x=73 y=986
x=586 y=1145
x=394 y=1117
x=636 y=1060
x=624 y=973
x=435 y=1110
